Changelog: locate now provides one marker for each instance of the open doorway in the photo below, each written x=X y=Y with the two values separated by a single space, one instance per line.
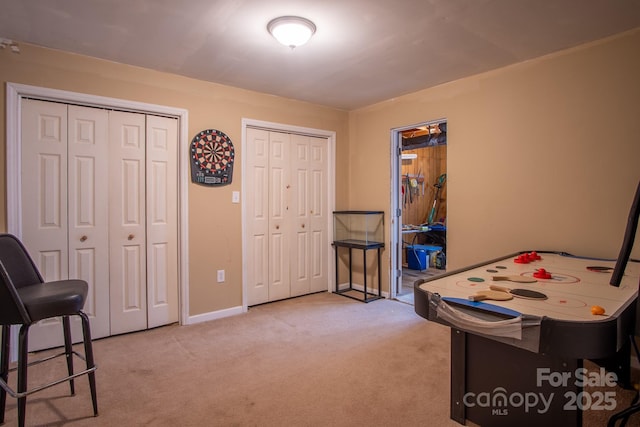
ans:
x=419 y=200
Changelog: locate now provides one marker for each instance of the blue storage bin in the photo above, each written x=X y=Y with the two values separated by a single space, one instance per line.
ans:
x=419 y=256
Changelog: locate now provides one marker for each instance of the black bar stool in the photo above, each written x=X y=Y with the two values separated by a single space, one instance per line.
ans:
x=24 y=300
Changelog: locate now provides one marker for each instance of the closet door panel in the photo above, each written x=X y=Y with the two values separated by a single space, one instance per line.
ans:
x=299 y=255
x=88 y=210
x=127 y=222
x=162 y=219
x=279 y=227
x=257 y=223
x=44 y=201
x=318 y=215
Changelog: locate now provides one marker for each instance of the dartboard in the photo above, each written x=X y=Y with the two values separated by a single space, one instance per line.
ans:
x=212 y=158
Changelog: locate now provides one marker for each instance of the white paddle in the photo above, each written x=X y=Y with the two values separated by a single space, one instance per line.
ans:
x=495 y=295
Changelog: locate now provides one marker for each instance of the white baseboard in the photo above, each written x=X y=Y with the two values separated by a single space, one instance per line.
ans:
x=205 y=317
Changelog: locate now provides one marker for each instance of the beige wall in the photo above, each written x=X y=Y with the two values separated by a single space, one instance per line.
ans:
x=541 y=155
x=215 y=231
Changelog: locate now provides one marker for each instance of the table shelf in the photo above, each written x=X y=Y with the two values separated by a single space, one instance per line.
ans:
x=364 y=246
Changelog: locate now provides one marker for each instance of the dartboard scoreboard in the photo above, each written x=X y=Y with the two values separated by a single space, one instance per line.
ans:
x=212 y=157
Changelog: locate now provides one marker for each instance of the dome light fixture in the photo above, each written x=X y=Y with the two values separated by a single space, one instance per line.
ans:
x=292 y=31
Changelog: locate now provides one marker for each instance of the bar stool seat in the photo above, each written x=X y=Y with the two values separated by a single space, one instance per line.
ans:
x=51 y=299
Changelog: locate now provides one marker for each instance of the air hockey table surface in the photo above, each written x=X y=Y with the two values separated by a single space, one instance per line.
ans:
x=572 y=289
x=527 y=335
x=561 y=324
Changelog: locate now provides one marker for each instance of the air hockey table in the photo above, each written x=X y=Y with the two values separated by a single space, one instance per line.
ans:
x=520 y=361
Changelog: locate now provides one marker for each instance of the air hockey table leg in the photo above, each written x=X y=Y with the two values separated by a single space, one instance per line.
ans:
x=497 y=385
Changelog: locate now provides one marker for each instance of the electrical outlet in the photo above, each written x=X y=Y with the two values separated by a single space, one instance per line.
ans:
x=220 y=276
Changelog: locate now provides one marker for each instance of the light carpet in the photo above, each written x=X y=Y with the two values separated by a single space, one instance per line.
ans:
x=318 y=360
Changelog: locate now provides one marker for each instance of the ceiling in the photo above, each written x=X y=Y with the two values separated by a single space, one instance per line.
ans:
x=363 y=52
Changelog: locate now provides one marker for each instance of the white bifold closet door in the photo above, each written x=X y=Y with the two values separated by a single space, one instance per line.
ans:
x=287 y=221
x=64 y=208
x=95 y=207
x=143 y=218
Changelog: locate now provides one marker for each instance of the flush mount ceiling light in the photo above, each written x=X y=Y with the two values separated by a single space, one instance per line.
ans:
x=292 y=31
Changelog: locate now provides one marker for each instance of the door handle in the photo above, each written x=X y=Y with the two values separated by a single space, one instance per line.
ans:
x=277 y=227
x=302 y=225
x=130 y=237
x=83 y=238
